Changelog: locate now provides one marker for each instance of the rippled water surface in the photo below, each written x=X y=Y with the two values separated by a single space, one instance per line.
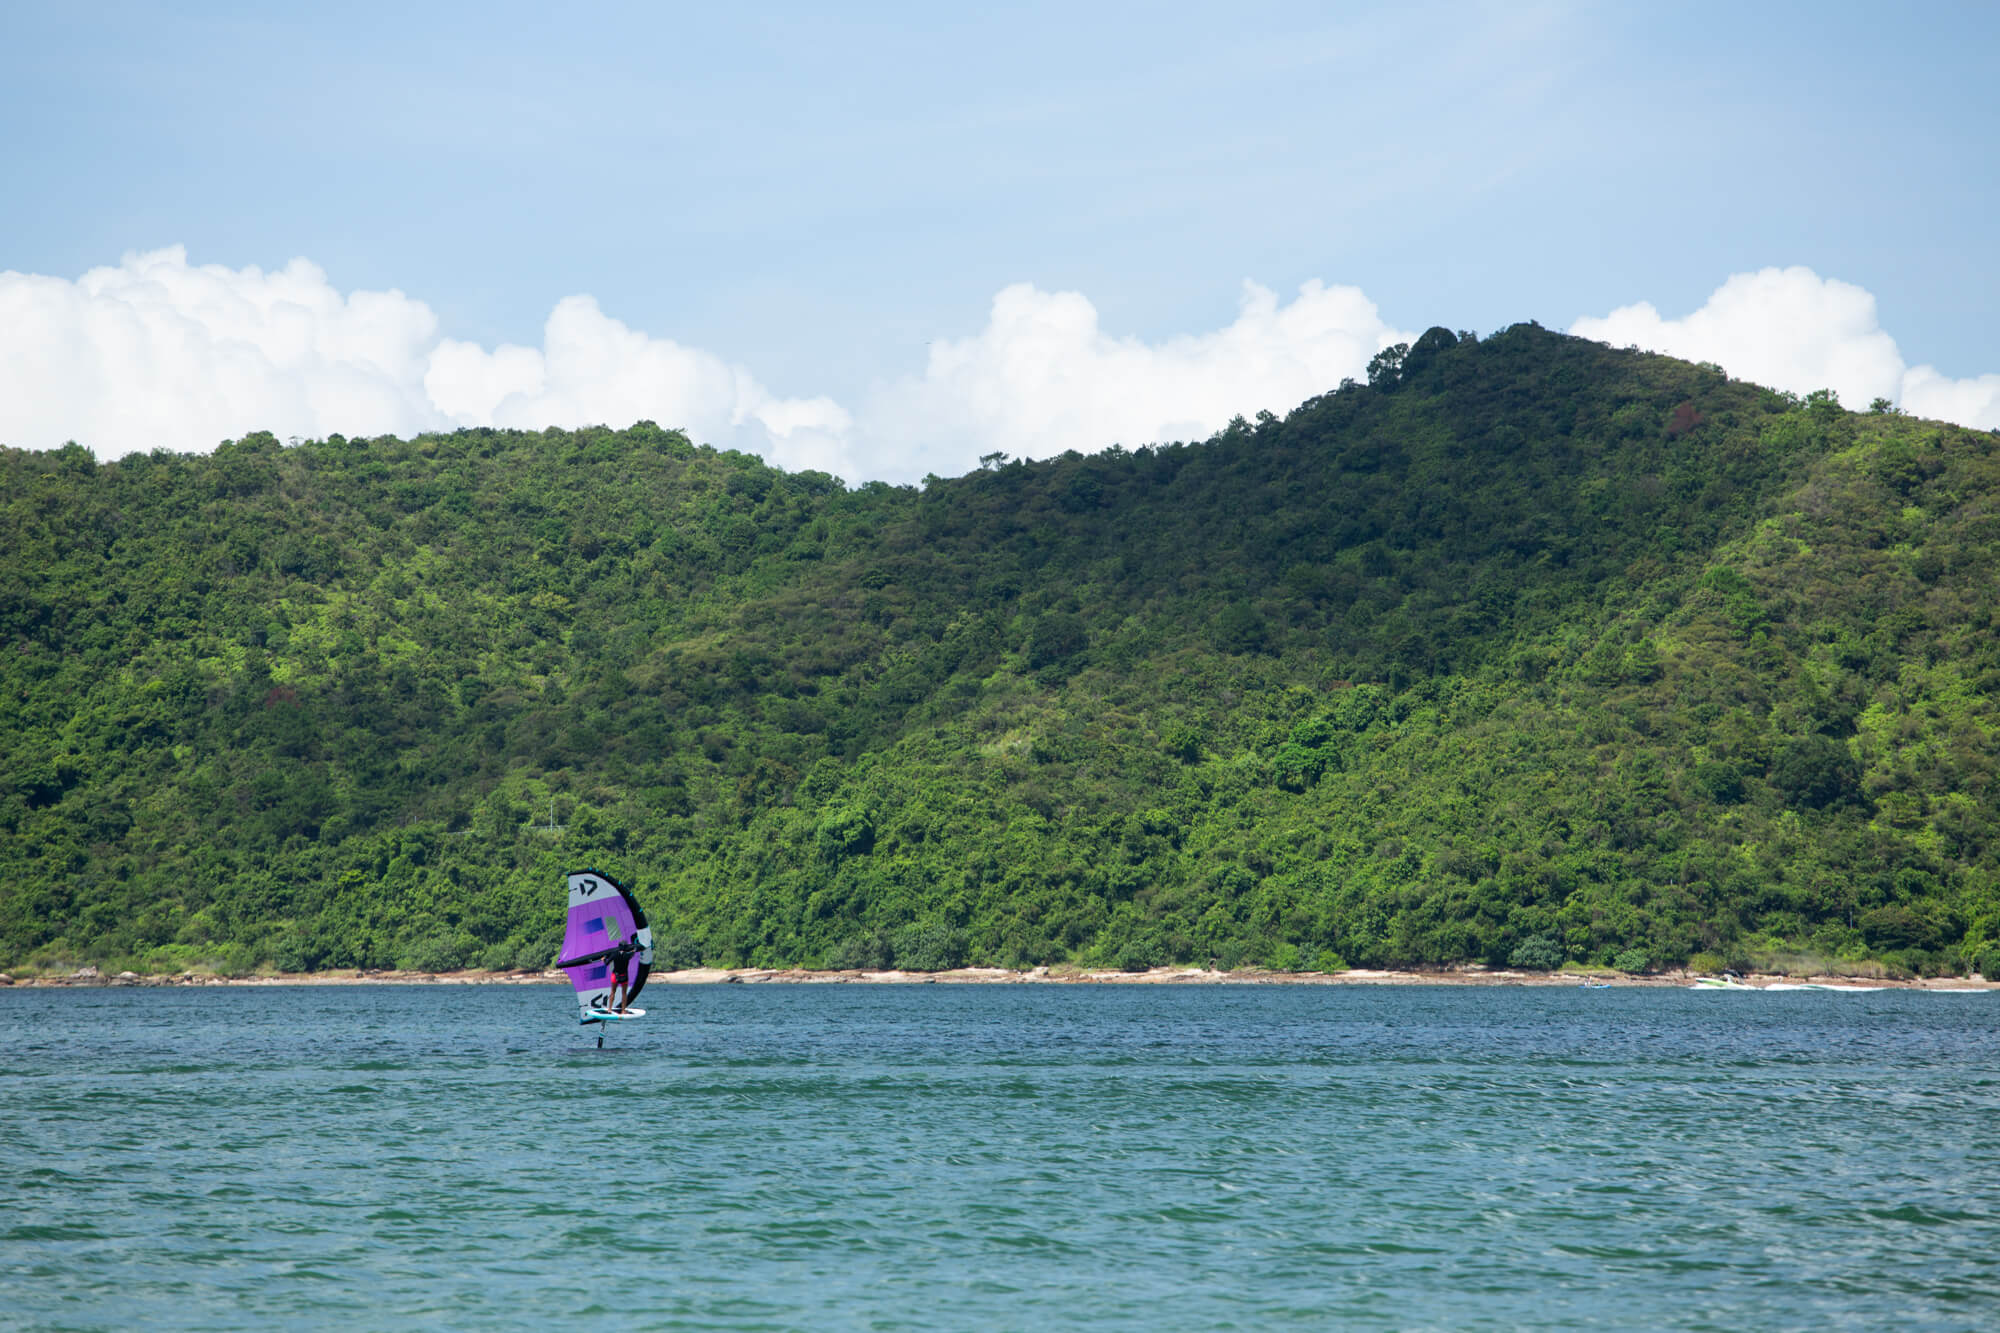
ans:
x=1000 y=1157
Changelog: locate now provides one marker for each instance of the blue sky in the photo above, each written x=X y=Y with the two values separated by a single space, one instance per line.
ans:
x=797 y=229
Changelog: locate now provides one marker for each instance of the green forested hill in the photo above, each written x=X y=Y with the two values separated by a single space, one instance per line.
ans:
x=1530 y=649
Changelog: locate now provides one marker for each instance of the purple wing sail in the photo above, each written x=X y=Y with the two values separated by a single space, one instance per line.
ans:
x=606 y=933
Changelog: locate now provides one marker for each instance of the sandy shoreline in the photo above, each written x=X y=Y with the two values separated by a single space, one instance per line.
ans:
x=1167 y=976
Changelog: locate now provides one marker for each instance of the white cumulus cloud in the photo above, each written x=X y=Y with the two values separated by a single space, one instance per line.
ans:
x=156 y=352
x=1042 y=377
x=592 y=368
x=1792 y=329
x=1969 y=402
x=160 y=353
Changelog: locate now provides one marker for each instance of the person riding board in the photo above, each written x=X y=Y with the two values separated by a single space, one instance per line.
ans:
x=620 y=959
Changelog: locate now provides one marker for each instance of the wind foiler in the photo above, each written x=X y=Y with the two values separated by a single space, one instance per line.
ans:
x=607 y=949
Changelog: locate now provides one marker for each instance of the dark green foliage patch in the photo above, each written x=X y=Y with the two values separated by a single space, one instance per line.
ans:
x=1529 y=651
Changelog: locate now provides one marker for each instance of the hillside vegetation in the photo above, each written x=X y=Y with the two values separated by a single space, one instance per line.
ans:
x=1528 y=650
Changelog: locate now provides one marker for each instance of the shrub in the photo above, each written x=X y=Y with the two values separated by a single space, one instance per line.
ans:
x=1239 y=630
x=1537 y=953
x=233 y=960
x=1298 y=767
x=1138 y=956
x=1908 y=964
x=438 y=953
x=1632 y=960
x=822 y=780
x=1056 y=636
x=1816 y=772
x=929 y=947
x=536 y=953
x=297 y=953
x=1720 y=783
x=1183 y=742
x=845 y=831
x=867 y=952
x=1895 y=926
x=676 y=950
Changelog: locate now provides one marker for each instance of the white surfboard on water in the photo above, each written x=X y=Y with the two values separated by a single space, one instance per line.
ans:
x=612 y=1015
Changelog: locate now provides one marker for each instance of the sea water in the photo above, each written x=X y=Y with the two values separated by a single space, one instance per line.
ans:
x=1019 y=1156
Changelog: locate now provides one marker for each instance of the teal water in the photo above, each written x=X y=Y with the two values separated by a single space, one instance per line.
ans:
x=950 y=1156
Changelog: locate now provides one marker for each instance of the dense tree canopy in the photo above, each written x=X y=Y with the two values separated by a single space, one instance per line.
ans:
x=1528 y=649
